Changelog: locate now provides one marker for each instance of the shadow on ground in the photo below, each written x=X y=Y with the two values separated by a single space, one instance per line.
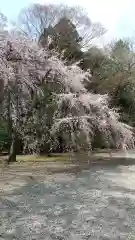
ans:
x=96 y=204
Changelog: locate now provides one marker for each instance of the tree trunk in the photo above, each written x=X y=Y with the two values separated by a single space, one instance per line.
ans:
x=60 y=144
x=12 y=153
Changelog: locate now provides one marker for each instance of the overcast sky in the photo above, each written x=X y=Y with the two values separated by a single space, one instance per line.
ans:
x=118 y=16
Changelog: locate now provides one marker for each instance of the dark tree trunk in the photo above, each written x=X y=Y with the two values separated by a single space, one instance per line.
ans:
x=60 y=146
x=12 y=153
x=19 y=146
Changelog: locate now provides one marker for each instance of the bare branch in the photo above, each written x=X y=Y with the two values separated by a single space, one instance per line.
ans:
x=36 y=18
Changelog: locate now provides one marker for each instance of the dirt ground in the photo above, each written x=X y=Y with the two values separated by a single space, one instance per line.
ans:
x=97 y=203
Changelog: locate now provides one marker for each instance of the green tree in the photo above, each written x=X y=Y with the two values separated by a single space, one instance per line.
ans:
x=116 y=77
x=92 y=60
x=63 y=38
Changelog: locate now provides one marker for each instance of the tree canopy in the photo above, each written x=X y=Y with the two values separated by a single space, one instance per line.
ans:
x=58 y=96
x=64 y=38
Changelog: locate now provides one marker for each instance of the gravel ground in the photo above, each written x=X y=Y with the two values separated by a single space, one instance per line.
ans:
x=96 y=204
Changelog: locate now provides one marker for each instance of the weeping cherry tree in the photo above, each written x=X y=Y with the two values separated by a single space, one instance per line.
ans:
x=44 y=97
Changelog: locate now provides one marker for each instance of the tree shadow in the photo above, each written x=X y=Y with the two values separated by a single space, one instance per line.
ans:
x=89 y=206
x=36 y=210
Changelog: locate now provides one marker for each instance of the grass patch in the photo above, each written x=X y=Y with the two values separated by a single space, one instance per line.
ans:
x=35 y=158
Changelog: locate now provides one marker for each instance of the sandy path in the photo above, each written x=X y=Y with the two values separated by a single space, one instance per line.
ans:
x=97 y=204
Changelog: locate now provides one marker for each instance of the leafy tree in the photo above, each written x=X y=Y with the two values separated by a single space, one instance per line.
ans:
x=44 y=97
x=120 y=66
x=116 y=77
x=64 y=38
x=93 y=59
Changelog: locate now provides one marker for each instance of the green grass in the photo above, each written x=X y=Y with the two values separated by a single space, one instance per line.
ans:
x=34 y=158
x=61 y=157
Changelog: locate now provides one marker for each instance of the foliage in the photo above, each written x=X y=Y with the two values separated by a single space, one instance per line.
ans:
x=47 y=100
x=64 y=38
x=77 y=112
x=116 y=77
